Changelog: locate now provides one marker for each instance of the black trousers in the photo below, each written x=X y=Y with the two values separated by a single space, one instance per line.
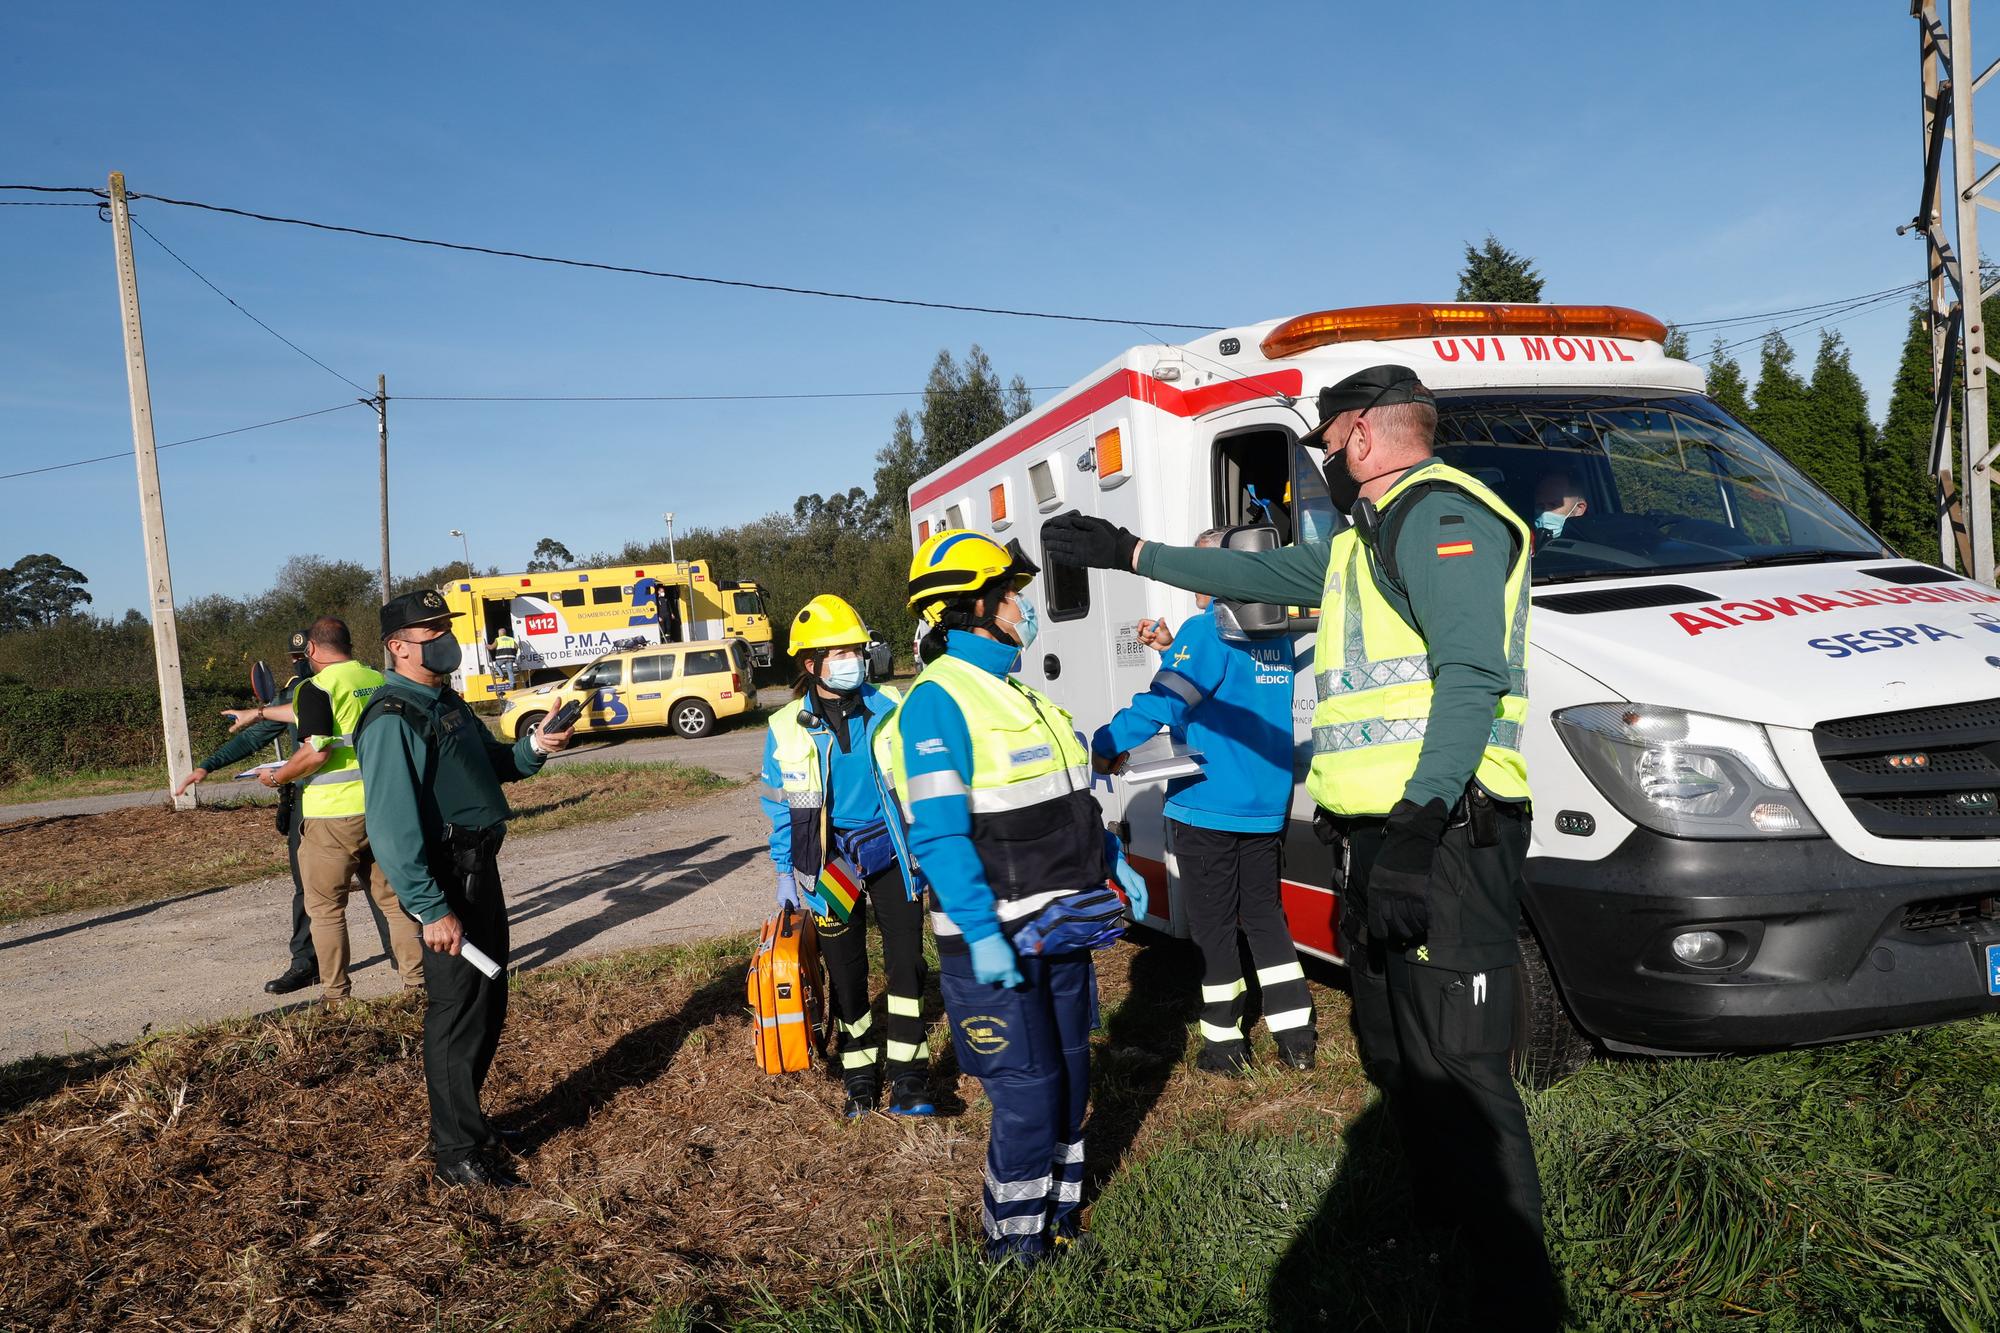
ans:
x=1231 y=881
x=1436 y=1039
x=305 y=958
x=463 y=1015
x=844 y=947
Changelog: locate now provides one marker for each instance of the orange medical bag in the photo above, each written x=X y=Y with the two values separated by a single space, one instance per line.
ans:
x=787 y=993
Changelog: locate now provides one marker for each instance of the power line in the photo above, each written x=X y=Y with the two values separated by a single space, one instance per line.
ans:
x=245 y=313
x=668 y=397
x=610 y=268
x=1795 y=310
x=194 y=439
x=1859 y=306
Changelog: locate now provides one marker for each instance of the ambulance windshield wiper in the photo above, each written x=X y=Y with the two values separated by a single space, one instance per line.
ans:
x=1813 y=556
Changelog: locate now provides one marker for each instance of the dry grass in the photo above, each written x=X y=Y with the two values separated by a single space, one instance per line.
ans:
x=69 y=862
x=272 y=1173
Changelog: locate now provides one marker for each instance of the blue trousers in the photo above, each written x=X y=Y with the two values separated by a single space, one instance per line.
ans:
x=1029 y=1047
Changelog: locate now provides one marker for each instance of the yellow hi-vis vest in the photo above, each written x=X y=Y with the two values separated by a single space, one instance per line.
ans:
x=801 y=766
x=1375 y=682
x=1036 y=827
x=504 y=645
x=335 y=791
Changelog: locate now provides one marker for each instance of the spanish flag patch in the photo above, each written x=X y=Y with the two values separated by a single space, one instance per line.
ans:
x=1448 y=549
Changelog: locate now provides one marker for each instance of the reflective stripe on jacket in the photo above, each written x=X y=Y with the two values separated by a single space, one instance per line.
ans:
x=334 y=792
x=1374 y=678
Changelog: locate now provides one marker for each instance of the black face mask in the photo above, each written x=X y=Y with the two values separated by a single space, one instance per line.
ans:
x=303 y=666
x=442 y=654
x=1340 y=483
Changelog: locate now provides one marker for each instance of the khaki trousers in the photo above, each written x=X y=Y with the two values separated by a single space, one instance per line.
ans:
x=331 y=853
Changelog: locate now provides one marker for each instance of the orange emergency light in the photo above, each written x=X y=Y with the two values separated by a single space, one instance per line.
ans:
x=1379 y=323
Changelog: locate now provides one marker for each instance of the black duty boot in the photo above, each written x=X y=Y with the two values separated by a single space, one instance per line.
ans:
x=1297 y=1048
x=1228 y=1058
x=911 y=1095
x=474 y=1171
x=863 y=1088
x=291 y=979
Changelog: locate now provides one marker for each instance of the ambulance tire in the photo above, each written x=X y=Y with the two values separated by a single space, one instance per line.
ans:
x=693 y=719
x=527 y=723
x=1548 y=1046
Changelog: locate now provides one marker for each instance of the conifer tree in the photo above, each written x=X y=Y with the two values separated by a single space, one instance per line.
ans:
x=1726 y=384
x=1841 y=437
x=1492 y=272
x=1902 y=494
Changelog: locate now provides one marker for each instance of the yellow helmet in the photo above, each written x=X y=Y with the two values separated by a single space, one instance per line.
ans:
x=826 y=622
x=958 y=560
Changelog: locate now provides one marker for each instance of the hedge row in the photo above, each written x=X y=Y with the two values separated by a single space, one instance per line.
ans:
x=50 y=732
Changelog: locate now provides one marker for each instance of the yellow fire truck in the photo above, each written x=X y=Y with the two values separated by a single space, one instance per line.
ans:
x=560 y=620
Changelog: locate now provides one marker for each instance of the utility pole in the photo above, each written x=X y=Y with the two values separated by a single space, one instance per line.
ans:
x=1962 y=460
x=152 y=517
x=382 y=455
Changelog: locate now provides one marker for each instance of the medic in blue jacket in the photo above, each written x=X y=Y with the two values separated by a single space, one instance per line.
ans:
x=1232 y=699
x=996 y=785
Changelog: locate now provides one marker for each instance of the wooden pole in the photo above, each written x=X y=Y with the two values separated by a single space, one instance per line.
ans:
x=382 y=453
x=152 y=517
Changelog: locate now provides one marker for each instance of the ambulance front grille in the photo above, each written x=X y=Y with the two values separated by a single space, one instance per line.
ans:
x=1924 y=773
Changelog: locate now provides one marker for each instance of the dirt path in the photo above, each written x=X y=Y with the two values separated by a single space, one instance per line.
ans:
x=80 y=979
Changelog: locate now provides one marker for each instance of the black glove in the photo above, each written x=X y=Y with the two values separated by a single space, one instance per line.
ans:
x=1075 y=538
x=1399 y=899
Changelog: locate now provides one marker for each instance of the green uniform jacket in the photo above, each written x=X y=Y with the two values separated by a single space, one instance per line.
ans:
x=255 y=736
x=1457 y=603
x=404 y=813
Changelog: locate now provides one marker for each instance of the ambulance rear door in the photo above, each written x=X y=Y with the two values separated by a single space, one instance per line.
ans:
x=1259 y=473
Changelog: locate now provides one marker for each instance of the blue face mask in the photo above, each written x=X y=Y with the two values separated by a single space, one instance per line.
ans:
x=1551 y=522
x=1030 y=623
x=844 y=676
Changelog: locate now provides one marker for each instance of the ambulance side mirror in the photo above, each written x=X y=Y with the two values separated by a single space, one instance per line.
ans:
x=1249 y=620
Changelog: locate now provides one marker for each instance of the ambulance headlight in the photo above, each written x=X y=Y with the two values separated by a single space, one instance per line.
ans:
x=1685 y=774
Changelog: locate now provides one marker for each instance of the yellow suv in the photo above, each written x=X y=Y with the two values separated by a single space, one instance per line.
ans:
x=685 y=686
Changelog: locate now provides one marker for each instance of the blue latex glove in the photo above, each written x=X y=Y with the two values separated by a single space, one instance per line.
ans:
x=1134 y=884
x=788 y=890
x=993 y=962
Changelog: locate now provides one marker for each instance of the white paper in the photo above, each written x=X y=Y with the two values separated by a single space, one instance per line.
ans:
x=250 y=774
x=470 y=952
x=1165 y=768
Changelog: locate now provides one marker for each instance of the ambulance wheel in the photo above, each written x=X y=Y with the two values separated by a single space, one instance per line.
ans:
x=1548 y=1046
x=693 y=718
x=528 y=722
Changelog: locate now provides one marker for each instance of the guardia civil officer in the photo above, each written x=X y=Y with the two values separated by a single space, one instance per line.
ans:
x=997 y=787
x=253 y=729
x=1417 y=762
x=828 y=806
x=435 y=815
x=1232 y=699
x=333 y=848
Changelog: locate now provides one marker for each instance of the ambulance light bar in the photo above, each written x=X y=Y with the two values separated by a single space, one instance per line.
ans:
x=1381 y=323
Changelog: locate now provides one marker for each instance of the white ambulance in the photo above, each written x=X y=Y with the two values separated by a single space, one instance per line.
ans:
x=1764 y=749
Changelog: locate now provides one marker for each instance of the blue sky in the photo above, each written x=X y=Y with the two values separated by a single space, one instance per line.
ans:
x=1160 y=161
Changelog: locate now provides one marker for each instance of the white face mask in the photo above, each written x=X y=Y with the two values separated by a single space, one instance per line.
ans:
x=844 y=676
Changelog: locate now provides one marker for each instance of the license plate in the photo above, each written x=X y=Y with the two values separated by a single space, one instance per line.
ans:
x=1993 y=969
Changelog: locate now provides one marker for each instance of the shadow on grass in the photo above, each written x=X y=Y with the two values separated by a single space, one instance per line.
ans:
x=42 y=1076
x=635 y=1059
x=1147 y=1035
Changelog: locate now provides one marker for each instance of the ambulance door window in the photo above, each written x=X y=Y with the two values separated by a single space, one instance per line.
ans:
x=1253 y=476
x=604 y=596
x=570 y=596
x=1069 y=591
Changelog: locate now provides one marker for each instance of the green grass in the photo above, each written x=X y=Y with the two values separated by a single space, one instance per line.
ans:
x=95 y=782
x=1836 y=1189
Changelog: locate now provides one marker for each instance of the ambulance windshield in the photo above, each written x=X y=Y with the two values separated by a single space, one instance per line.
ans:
x=1636 y=483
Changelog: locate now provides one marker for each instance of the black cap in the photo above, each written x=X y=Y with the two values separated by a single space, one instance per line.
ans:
x=1377 y=386
x=424 y=607
x=297 y=646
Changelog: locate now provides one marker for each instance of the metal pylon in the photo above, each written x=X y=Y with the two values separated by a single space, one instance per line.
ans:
x=1962 y=461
